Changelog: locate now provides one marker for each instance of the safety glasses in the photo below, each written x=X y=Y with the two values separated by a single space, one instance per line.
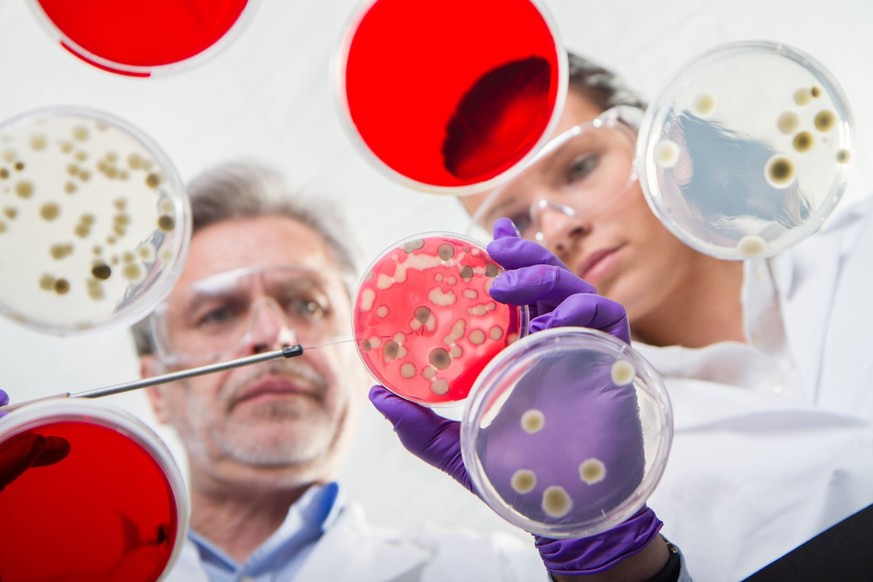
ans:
x=586 y=164
x=226 y=314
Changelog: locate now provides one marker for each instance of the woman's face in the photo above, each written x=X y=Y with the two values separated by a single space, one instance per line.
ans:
x=579 y=201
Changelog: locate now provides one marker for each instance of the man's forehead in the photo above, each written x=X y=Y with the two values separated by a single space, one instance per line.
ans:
x=258 y=242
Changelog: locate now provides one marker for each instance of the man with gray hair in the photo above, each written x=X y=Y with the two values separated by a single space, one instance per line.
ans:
x=267 y=269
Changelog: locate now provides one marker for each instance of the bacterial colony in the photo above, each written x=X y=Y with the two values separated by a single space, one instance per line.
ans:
x=806 y=124
x=425 y=324
x=85 y=219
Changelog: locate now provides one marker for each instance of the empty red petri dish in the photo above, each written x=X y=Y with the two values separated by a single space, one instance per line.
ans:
x=139 y=39
x=451 y=99
x=425 y=325
x=87 y=493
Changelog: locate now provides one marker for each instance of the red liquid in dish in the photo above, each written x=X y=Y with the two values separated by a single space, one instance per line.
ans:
x=411 y=66
x=425 y=324
x=104 y=512
x=116 y=35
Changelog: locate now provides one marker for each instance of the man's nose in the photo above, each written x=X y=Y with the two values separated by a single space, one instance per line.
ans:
x=268 y=328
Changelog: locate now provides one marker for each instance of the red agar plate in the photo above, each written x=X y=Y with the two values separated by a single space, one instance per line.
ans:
x=425 y=325
x=137 y=39
x=450 y=99
x=101 y=499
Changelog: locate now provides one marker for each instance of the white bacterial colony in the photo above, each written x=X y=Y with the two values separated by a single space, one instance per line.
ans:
x=623 y=373
x=533 y=421
x=752 y=246
x=592 y=471
x=666 y=153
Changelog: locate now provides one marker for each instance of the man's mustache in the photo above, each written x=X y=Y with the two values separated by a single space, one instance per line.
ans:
x=299 y=372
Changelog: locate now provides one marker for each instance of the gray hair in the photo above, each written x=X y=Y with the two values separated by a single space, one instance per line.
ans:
x=239 y=190
x=600 y=85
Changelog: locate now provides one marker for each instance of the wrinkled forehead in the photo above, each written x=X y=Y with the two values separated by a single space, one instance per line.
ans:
x=223 y=251
x=248 y=283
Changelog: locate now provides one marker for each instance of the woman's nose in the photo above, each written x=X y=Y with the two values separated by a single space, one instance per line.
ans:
x=558 y=226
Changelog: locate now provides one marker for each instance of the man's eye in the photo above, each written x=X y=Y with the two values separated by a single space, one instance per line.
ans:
x=306 y=307
x=582 y=167
x=217 y=316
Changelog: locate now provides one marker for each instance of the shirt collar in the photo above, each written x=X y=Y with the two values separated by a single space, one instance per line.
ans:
x=307 y=519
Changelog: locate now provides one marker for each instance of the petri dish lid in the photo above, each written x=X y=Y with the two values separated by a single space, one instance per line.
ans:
x=566 y=433
x=102 y=499
x=133 y=39
x=450 y=117
x=94 y=221
x=424 y=323
x=746 y=151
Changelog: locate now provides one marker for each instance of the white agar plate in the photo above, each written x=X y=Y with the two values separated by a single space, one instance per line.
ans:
x=94 y=221
x=746 y=151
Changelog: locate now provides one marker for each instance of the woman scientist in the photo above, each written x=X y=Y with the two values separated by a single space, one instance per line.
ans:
x=766 y=360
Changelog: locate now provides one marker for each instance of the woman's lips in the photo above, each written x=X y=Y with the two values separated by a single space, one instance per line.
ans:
x=598 y=264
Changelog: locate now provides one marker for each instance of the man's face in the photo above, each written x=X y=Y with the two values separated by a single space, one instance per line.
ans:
x=283 y=420
x=587 y=212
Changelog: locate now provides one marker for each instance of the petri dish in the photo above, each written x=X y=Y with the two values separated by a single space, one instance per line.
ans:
x=450 y=116
x=94 y=221
x=746 y=151
x=566 y=433
x=424 y=323
x=97 y=495
x=132 y=39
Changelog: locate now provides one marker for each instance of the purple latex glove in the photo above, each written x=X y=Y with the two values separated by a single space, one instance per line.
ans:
x=611 y=431
x=427 y=435
x=436 y=440
x=4 y=400
x=554 y=295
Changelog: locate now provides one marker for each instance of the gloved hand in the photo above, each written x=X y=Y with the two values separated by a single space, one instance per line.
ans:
x=26 y=450
x=436 y=440
x=556 y=297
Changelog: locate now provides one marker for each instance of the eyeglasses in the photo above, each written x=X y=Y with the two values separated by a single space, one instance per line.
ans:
x=582 y=166
x=223 y=315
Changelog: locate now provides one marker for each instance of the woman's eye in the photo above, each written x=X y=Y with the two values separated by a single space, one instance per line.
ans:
x=521 y=220
x=582 y=167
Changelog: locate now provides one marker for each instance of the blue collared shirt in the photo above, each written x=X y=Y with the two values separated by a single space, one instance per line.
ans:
x=282 y=555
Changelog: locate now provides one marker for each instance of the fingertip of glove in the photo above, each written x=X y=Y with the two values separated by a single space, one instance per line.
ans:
x=378 y=394
x=386 y=402
x=504 y=227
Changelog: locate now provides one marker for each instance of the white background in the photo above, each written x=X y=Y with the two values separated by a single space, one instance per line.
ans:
x=268 y=95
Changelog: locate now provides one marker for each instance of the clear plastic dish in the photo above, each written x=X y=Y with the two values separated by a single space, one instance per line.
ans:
x=747 y=150
x=94 y=221
x=424 y=323
x=566 y=433
x=130 y=38
x=451 y=100
x=102 y=498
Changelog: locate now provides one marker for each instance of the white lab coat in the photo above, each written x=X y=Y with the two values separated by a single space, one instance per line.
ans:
x=352 y=550
x=773 y=440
